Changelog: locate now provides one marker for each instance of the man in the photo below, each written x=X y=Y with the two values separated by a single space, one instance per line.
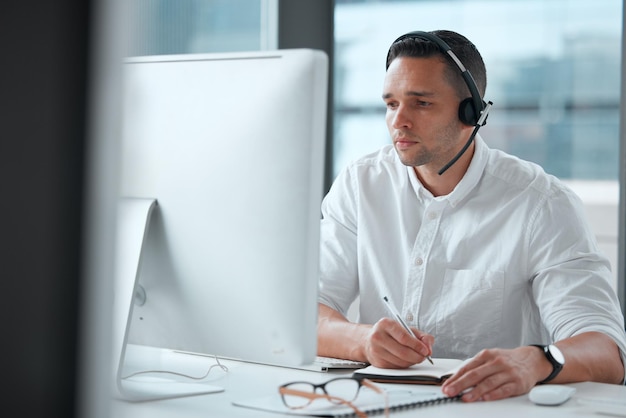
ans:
x=483 y=260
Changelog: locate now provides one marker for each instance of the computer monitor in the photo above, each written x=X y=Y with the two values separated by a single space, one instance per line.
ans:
x=230 y=147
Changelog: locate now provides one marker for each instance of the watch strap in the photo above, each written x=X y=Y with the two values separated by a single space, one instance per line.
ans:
x=556 y=365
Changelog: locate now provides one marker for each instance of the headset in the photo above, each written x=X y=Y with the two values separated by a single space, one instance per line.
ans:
x=473 y=110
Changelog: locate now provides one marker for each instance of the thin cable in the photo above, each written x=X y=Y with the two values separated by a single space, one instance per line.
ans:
x=460 y=153
x=220 y=365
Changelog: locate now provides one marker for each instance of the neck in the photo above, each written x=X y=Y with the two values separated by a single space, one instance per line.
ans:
x=444 y=184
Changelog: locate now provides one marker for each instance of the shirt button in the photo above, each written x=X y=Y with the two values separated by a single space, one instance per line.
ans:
x=409 y=317
x=432 y=215
x=419 y=261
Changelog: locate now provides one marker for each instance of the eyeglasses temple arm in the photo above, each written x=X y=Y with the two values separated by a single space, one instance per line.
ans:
x=311 y=396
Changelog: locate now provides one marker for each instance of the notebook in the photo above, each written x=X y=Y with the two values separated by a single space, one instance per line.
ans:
x=368 y=402
x=423 y=373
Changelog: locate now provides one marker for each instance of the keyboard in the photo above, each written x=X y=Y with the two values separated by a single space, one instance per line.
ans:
x=329 y=363
x=320 y=364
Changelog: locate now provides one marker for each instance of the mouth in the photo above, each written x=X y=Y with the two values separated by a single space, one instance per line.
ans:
x=403 y=143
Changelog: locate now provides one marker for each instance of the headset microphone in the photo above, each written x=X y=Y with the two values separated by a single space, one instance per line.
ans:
x=481 y=122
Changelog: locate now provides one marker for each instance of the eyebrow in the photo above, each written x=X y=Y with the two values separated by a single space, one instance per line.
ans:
x=411 y=94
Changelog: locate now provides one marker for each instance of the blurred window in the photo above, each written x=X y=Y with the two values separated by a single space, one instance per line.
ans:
x=553 y=69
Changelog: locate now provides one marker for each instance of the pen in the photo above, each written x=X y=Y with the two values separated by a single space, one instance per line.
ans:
x=404 y=324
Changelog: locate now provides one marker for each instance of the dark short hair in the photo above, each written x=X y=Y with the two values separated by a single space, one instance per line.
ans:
x=465 y=51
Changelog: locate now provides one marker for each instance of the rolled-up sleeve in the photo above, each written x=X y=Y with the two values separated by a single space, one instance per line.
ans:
x=571 y=283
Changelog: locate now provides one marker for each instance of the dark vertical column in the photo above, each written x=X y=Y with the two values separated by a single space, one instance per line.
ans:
x=43 y=79
x=309 y=24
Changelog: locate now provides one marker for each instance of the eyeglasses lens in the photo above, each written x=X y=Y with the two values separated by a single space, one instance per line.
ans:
x=346 y=389
x=295 y=401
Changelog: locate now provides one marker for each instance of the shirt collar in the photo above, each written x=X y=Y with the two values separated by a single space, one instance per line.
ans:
x=466 y=185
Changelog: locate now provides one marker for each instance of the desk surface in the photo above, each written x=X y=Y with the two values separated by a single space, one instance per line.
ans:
x=246 y=381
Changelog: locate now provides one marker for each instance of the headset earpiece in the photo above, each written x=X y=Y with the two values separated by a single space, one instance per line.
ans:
x=467 y=113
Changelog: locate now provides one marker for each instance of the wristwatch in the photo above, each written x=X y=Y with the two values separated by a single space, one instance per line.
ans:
x=555 y=357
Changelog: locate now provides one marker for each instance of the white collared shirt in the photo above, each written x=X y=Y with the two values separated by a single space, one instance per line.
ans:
x=506 y=259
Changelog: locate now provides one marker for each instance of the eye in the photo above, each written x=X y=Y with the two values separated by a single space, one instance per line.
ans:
x=422 y=103
x=391 y=105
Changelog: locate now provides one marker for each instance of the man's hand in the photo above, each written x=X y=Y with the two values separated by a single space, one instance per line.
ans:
x=497 y=373
x=388 y=345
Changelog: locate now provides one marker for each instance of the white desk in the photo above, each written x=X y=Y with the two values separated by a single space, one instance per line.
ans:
x=245 y=380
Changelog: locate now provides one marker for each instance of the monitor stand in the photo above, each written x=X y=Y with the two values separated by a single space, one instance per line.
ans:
x=132 y=224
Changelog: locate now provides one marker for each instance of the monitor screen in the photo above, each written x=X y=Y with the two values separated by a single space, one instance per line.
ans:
x=231 y=147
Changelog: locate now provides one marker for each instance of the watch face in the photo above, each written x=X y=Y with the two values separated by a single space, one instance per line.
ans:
x=556 y=354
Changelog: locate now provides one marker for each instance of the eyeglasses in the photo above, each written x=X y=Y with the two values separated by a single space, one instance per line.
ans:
x=341 y=390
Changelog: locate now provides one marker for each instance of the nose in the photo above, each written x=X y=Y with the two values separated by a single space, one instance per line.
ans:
x=399 y=118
